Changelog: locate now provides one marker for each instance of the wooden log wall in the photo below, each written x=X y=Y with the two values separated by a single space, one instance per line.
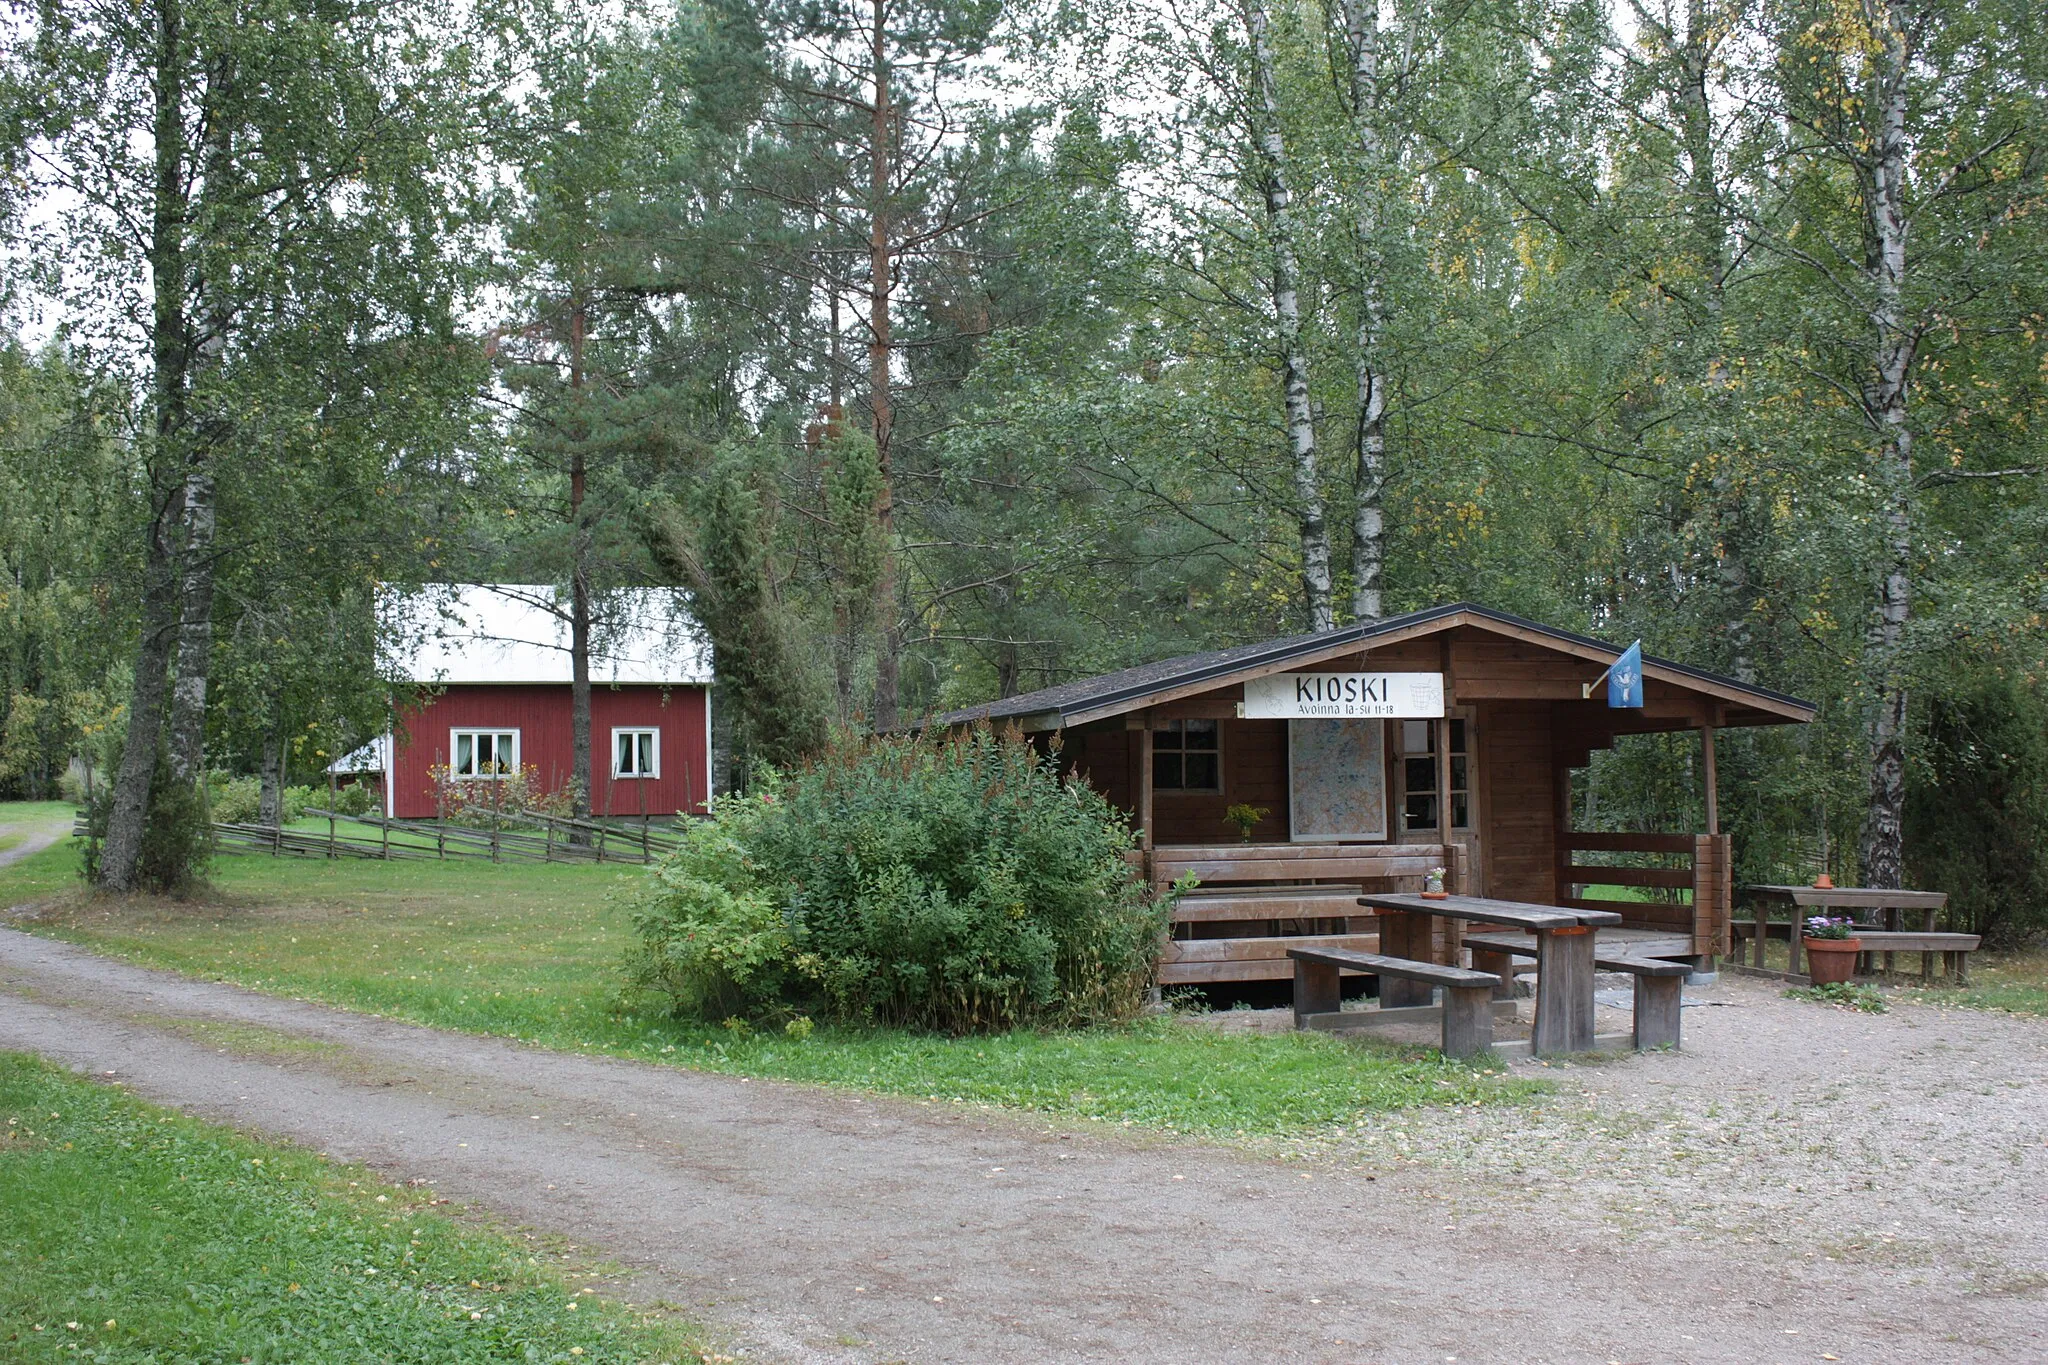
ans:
x=1518 y=844
x=1254 y=772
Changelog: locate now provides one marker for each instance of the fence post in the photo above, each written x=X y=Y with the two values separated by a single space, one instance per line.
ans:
x=330 y=812
x=547 y=854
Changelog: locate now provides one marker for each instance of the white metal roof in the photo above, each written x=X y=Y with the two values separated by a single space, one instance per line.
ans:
x=519 y=633
x=368 y=759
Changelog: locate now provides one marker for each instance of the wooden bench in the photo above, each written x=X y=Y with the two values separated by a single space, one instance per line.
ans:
x=1659 y=996
x=1955 y=949
x=1659 y=985
x=1468 y=995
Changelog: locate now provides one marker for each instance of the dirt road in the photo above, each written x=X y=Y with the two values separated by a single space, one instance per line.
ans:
x=38 y=838
x=1647 y=1214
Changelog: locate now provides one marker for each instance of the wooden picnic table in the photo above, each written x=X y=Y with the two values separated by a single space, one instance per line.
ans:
x=1891 y=901
x=1564 y=956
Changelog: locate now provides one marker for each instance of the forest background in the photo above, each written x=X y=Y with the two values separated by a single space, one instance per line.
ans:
x=936 y=350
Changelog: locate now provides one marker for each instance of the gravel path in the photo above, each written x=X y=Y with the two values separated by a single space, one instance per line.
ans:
x=1801 y=1184
x=38 y=839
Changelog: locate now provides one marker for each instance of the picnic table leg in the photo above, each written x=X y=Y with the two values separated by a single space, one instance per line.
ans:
x=1564 y=991
x=1659 y=1001
x=1792 y=943
x=1891 y=922
x=1763 y=921
x=1927 y=959
x=1468 y=1021
x=1316 y=991
x=1501 y=965
x=1405 y=935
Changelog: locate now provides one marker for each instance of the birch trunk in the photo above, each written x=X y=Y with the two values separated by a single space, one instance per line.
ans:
x=1301 y=430
x=169 y=354
x=194 y=663
x=186 y=745
x=1886 y=399
x=1369 y=476
x=270 y=781
x=129 y=812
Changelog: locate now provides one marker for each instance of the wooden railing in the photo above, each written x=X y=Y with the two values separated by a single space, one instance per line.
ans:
x=1229 y=864
x=1255 y=901
x=1696 y=864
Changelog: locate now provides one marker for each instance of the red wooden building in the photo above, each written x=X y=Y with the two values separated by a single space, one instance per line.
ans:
x=496 y=657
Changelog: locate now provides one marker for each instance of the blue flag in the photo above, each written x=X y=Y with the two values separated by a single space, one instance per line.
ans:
x=1625 y=679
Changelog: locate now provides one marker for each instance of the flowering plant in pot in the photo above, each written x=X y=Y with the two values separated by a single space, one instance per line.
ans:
x=1831 y=948
x=1433 y=885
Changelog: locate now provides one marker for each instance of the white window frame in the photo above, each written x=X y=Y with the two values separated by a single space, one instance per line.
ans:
x=654 y=774
x=496 y=732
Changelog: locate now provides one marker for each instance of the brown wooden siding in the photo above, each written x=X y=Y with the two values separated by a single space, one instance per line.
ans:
x=1519 y=842
x=1254 y=772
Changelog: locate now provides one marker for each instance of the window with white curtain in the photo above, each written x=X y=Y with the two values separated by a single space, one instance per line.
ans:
x=636 y=753
x=484 y=753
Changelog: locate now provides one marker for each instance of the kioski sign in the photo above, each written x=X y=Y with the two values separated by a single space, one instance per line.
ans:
x=1344 y=696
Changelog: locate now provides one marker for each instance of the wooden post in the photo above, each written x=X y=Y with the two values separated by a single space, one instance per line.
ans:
x=1316 y=990
x=1561 y=819
x=1145 y=792
x=1448 y=950
x=1713 y=779
x=1406 y=935
x=1564 y=991
x=1659 y=1003
x=330 y=811
x=1468 y=1021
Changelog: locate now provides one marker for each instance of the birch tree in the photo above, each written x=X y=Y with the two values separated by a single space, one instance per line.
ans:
x=227 y=173
x=1273 y=170
x=1931 y=116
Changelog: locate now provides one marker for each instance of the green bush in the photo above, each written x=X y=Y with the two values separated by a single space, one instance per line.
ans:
x=357 y=798
x=1977 y=804
x=239 y=800
x=955 y=884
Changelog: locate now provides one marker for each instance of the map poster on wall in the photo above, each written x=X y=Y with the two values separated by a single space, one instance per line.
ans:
x=1336 y=780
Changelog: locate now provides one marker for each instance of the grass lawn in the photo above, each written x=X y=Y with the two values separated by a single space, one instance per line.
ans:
x=531 y=951
x=2016 y=982
x=18 y=818
x=135 y=1235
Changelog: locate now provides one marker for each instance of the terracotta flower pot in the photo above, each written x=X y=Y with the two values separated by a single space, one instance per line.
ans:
x=1831 y=960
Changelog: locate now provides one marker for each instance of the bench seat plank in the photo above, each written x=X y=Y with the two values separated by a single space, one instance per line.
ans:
x=1379 y=964
x=1467 y=1014
x=1884 y=939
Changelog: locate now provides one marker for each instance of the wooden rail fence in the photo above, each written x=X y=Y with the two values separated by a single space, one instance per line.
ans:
x=516 y=838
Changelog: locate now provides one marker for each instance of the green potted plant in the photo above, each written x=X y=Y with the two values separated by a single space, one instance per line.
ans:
x=1246 y=818
x=1433 y=885
x=1831 y=948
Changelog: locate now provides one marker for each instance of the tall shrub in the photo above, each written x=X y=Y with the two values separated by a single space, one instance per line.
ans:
x=1977 y=804
x=952 y=883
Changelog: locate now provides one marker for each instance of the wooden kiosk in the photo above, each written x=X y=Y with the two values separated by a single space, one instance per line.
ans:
x=1442 y=738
